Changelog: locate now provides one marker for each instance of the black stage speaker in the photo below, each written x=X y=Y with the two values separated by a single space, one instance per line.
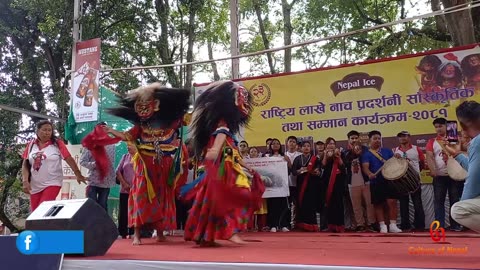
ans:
x=85 y=214
x=11 y=258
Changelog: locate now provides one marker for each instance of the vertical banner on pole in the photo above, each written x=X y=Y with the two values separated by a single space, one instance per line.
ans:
x=86 y=81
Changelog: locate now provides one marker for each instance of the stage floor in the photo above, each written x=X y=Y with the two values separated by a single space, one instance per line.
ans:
x=293 y=249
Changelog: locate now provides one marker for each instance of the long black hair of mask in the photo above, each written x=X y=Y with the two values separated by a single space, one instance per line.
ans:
x=174 y=103
x=215 y=104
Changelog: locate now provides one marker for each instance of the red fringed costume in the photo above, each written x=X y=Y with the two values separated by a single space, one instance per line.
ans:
x=225 y=197
x=96 y=142
x=161 y=161
x=152 y=196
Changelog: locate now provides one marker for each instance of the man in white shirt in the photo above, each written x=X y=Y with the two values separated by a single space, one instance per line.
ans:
x=358 y=184
x=442 y=183
x=417 y=159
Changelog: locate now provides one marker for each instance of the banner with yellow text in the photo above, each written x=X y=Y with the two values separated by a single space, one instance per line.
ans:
x=390 y=96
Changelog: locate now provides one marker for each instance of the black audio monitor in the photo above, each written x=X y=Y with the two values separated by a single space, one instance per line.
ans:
x=84 y=214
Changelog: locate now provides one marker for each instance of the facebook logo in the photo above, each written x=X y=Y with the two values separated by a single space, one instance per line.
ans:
x=27 y=242
x=51 y=242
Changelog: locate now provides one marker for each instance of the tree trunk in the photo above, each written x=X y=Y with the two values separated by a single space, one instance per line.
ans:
x=216 y=76
x=162 y=8
x=191 y=40
x=460 y=24
x=3 y=200
x=263 y=33
x=476 y=22
x=54 y=58
x=181 y=69
x=402 y=9
x=34 y=78
x=287 y=34
x=439 y=20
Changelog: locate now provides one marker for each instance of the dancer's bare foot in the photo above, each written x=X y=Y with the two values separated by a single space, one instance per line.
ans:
x=236 y=239
x=136 y=237
x=136 y=241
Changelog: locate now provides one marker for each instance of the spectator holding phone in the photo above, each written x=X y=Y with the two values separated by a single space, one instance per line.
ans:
x=467 y=210
x=437 y=160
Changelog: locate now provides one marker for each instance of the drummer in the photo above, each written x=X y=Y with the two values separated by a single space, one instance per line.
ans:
x=417 y=159
x=372 y=162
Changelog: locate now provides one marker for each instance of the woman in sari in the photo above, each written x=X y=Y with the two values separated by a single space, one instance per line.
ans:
x=334 y=174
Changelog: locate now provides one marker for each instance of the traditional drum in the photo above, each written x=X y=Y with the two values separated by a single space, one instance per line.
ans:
x=401 y=176
x=455 y=170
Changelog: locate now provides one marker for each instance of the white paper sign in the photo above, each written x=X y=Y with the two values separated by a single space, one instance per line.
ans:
x=70 y=188
x=274 y=172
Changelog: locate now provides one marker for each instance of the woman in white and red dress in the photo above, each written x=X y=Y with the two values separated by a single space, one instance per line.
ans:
x=42 y=171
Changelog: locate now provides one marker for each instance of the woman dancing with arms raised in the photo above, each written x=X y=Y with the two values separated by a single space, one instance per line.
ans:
x=224 y=196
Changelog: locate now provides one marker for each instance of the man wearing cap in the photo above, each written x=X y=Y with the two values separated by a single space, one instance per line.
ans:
x=417 y=159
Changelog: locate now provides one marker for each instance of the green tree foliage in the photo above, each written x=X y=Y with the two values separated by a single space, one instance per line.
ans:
x=14 y=205
x=324 y=18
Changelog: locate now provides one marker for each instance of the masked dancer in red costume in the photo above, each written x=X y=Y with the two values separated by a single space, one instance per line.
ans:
x=160 y=164
x=224 y=196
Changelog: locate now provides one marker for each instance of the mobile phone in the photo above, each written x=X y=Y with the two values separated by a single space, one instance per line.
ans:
x=452 y=132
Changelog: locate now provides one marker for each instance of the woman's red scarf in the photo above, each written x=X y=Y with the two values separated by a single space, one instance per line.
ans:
x=307 y=177
x=96 y=141
x=333 y=178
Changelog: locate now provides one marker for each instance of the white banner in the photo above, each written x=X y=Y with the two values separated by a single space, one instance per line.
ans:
x=274 y=172
x=70 y=188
